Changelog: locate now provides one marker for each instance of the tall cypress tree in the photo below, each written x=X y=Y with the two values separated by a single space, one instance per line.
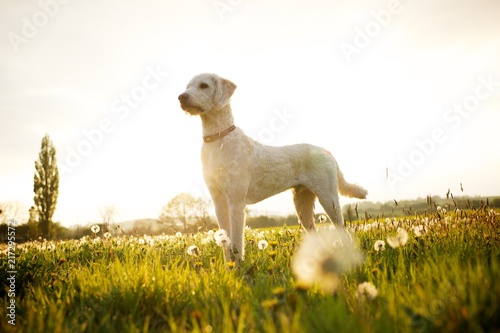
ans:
x=46 y=186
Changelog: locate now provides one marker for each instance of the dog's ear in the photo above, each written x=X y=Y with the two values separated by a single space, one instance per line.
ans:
x=224 y=89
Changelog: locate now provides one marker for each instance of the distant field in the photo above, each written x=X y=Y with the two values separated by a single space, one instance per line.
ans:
x=445 y=278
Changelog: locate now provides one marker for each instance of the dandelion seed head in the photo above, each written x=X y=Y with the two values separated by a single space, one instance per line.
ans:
x=193 y=250
x=107 y=235
x=400 y=239
x=366 y=290
x=220 y=233
x=317 y=261
x=178 y=234
x=419 y=230
x=95 y=228
x=223 y=241
x=263 y=244
x=379 y=245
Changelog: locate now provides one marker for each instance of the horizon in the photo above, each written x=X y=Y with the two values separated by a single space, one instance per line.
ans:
x=404 y=94
x=258 y=213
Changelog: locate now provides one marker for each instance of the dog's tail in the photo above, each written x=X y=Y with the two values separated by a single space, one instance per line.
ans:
x=350 y=190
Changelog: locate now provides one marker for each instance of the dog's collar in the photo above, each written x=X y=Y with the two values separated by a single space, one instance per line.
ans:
x=220 y=135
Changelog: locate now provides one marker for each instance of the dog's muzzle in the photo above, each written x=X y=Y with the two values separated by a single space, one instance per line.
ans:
x=188 y=105
x=183 y=98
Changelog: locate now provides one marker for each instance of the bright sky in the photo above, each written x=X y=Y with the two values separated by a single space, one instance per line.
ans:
x=412 y=86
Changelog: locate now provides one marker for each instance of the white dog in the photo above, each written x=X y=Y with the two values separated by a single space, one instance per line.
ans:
x=239 y=171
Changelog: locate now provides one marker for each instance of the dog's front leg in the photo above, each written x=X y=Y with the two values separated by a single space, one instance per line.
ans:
x=221 y=209
x=237 y=213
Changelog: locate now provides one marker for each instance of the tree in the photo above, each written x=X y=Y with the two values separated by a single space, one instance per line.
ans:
x=13 y=210
x=46 y=186
x=187 y=210
x=107 y=214
x=33 y=223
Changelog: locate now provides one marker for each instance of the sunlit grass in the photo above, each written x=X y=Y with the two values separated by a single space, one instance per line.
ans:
x=443 y=278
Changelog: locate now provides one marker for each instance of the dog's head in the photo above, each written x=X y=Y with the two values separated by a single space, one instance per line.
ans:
x=206 y=92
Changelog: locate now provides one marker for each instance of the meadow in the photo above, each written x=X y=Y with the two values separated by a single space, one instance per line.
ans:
x=433 y=272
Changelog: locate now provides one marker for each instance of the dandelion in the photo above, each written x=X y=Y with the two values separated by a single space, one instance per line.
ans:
x=273 y=244
x=318 y=262
x=223 y=241
x=270 y=304
x=141 y=241
x=322 y=219
x=278 y=292
x=419 y=230
x=366 y=290
x=107 y=235
x=221 y=238
x=379 y=245
x=95 y=229
x=193 y=250
x=220 y=233
x=178 y=234
x=399 y=240
x=263 y=244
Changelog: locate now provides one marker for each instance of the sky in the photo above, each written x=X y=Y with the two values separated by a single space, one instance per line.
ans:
x=405 y=94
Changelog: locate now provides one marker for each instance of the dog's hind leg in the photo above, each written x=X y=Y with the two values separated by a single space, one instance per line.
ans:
x=331 y=205
x=304 y=199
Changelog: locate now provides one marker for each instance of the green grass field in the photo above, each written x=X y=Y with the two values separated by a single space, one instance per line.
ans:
x=446 y=279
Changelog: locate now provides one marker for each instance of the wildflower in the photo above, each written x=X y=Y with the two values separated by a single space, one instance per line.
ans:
x=399 y=240
x=193 y=250
x=231 y=264
x=223 y=241
x=272 y=254
x=419 y=230
x=263 y=244
x=107 y=235
x=220 y=233
x=317 y=261
x=221 y=238
x=278 y=291
x=95 y=229
x=270 y=304
x=379 y=245
x=366 y=290
x=273 y=244
x=178 y=234
x=322 y=219
x=141 y=241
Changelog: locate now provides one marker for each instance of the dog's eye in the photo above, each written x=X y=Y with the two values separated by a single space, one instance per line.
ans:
x=203 y=86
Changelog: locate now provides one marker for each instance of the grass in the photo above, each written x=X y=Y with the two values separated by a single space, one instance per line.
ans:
x=445 y=280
